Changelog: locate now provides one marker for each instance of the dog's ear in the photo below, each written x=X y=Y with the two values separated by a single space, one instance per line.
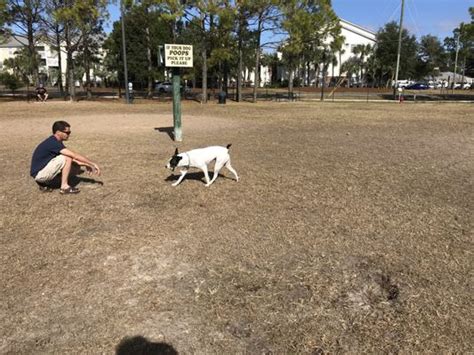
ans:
x=176 y=151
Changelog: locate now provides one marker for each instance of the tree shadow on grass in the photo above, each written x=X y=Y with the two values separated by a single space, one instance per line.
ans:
x=139 y=345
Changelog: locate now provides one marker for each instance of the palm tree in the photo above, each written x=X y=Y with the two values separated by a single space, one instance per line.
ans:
x=351 y=66
x=362 y=50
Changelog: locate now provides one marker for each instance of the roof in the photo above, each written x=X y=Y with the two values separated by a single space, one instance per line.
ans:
x=359 y=30
x=14 y=42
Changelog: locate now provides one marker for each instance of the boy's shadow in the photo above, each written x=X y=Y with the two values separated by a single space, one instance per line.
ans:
x=74 y=178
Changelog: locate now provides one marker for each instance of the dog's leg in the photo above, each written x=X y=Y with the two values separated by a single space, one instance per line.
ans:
x=206 y=174
x=183 y=173
x=232 y=170
x=217 y=167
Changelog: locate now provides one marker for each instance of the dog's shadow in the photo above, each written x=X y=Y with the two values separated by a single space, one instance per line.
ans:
x=198 y=175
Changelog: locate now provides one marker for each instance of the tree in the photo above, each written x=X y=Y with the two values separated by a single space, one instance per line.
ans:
x=11 y=81
x=53 y=30
x=431 y=56
x=351 y=66
x=25 y=17
x=372 y=66
x=3 y=19
x=263 y=13
x=463 y=36
x=143 y=36
x=386 y=52
x=209 y=28
x=362 y=51
x=149 y=14
x=20 y=64
x=308 y=25
x=272 y=62
x=81 y=20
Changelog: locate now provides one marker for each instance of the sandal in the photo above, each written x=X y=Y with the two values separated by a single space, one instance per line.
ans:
x=69 y=190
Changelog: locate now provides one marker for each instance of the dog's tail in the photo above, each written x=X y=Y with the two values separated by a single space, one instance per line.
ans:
x=228 y=146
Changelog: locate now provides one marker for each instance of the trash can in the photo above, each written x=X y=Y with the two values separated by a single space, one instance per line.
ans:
x=222 y=97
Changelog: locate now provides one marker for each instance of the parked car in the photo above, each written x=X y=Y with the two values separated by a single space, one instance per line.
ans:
x=417 y=86
x=402 y=83
x=163 y=86
x=465 y=86
x=167 y=87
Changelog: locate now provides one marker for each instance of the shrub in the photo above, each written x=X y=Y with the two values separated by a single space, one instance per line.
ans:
x=10 y=81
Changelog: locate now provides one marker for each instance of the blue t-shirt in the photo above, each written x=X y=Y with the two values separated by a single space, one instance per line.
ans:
x=44 y=152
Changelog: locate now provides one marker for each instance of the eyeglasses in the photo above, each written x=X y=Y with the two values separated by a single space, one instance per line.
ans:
x=67 y=132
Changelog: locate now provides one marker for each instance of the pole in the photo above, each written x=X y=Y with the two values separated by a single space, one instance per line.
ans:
x=399 y=50
x=456 y=60
x=127 y=93
x=177 y=105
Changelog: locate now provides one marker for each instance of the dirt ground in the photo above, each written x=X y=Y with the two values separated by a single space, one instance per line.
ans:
x=349 y=231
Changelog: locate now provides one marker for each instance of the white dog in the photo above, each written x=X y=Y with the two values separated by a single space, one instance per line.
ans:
x=200 y=158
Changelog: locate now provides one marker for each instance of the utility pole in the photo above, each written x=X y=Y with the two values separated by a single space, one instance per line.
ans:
x=124 y=48
x=399 y=50
x=456 y=59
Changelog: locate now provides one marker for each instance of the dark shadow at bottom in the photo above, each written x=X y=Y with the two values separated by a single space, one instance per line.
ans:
x=139 y=345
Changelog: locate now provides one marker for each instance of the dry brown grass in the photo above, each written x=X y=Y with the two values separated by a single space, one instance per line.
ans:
x=350 y=231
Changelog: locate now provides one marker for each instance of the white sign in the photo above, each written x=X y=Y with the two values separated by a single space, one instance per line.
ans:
x=179 y=55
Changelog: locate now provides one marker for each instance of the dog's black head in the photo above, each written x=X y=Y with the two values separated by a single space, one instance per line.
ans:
x=174 y=161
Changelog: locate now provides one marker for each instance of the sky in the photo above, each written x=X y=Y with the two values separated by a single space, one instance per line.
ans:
x=422 y=17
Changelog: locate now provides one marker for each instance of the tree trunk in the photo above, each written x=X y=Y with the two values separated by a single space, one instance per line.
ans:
x=70 y=66
x=88 y=80
x=204 y=76
x=290 y=80
x=257 y=72
x=71 y=84
x=257 y=60
x=239 y=73
x=148 y=57
x=60 y=67
x=204 y=61
x=226 y=78
x=87 y=68
x=240 y=59
x=32 y=53
x=316 y=81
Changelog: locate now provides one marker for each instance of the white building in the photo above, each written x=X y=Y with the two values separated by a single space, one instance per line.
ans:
x=49 y=62
x=353 y=35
